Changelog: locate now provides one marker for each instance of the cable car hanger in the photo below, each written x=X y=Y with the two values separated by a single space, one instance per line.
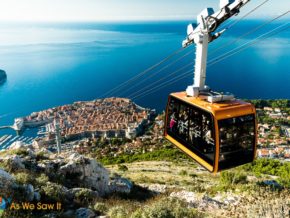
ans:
x=202 y=34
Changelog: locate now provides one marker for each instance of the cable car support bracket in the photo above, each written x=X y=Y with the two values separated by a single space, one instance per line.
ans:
x=202 y=34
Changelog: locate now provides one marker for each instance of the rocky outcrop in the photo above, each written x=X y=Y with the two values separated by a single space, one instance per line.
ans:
x=14 y=163
x=74 y=170
x=121 y=185
x=204 y=202
x=9 y=187
x=4 y=176
x=70 y=178
x=85 y=172
x=156 y=188
x=3 y=76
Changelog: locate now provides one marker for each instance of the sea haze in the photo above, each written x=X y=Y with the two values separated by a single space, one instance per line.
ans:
x=52 y=64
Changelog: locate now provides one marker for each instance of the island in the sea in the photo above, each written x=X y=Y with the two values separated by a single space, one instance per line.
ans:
x=109 y=117
x=3 y=76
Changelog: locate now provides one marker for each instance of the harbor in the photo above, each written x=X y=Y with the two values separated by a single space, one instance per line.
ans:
x=7 y=140
x=17 y=134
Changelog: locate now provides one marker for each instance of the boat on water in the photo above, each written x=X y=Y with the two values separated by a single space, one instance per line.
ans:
x=4 y=142
x=6 y=139
x=14 y=138
x=3 y=138
x=10 y=141
x=21 y=137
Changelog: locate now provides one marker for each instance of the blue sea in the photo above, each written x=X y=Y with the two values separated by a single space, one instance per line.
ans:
x=51 y=64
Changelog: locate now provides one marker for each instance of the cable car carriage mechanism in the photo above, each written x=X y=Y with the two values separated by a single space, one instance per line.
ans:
x=215 y=129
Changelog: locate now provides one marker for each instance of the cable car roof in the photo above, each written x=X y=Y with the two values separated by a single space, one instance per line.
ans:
x=221 y=110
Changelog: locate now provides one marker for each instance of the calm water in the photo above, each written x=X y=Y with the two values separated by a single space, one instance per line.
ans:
x=55 y=64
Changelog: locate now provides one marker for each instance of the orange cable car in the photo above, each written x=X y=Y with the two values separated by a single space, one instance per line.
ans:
x=218 y=136
x=216 y=130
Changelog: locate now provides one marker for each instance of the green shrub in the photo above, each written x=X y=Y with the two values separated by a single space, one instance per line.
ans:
x=53 y=192
x=24 y=178
x=101 y=207
x=20 y=152
x=4 y=166
x=165 y=208
x=193 y=175
x=183 y=173
x=117 y=212
x=84 y=196
x=271 y=167
x=42 y=180
x=169 y=154
x=230 y=178
x=122 y=168
x=41 y=156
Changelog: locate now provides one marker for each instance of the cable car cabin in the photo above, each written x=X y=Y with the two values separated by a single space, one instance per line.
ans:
x=218 y=136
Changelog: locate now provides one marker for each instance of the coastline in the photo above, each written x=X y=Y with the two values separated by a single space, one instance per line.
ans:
x=3 y=76
x=109 y=117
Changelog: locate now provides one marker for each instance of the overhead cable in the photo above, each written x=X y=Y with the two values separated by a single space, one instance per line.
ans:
x=189 y=73
x=140 y=74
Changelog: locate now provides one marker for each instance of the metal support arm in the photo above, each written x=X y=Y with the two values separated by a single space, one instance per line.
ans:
x=203 y=33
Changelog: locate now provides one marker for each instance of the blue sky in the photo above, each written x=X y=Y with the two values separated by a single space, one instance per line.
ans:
x=99 y=10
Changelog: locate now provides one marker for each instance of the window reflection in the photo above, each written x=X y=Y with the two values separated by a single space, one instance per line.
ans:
x=237 y=139
x=192 y=127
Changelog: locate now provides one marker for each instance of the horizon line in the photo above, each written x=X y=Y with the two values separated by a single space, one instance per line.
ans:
x=123 y=20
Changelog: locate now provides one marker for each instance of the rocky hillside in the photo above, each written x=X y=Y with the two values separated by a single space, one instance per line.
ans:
x=173 y=188
x=234 y=193
x=72 y=181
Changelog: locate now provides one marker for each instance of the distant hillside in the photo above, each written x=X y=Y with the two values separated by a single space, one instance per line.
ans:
x=274 y=103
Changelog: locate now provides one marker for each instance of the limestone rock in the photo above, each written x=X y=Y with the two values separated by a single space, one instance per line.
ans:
x=189 y=197
x=84 y=213
x=29 y=192
x=16 y=163
x=155 y=188
x=208 y=203
x=87 y=173
x=5 y=176
x=228 y=198
x=121 y=185
x=201 y=202
x=7 y=183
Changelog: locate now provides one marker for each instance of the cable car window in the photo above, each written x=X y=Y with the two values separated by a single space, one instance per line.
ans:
x=237 y=140
x=192 y=127
x=172 y=116
x=183 y=117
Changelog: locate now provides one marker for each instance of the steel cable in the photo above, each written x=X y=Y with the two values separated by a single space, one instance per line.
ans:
x=141 y=74
x=186 y=74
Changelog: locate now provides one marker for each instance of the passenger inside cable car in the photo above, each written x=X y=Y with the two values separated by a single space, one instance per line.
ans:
x=194 y=128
